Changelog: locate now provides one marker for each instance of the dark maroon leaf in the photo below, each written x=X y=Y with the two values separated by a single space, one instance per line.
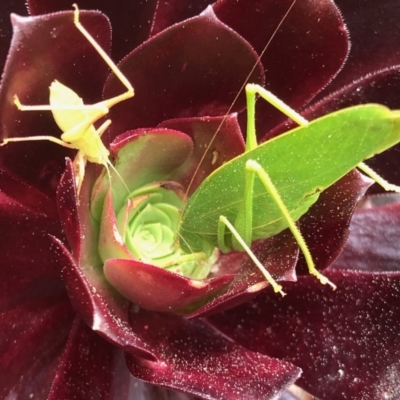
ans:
x=194 y=68
x=38 y=380
x=6 y=8
x=278 y=254
x=325 y=226
x=346 y=341
x=377 y=21
x=67 y=207
x=99 y=304
x=371 y=244
x=29 y=198
x=170 y=12
x=193 y=358
x=32 y=335
x=28 y=266
x=89 y=368
x=156 y=289
x=131 y=20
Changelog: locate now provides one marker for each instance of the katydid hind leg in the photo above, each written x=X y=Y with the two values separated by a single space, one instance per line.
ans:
x=271 y=189
x=123 y=79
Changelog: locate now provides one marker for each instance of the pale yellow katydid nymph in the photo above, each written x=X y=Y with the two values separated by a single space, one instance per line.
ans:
x=76 y=119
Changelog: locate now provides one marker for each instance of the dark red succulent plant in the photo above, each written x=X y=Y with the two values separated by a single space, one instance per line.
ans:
x=81 y=317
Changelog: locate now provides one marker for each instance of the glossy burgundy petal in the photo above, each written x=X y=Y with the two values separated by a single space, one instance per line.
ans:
x=79 y=227
x=377 y=21
x=169 y=12
x=99 y=304
x=346 y=340
x=89 y=228
x=194 y=68
x=210 y=136
x=195 y=359
x=34 y=310
x=372 y=242
x=156 y=289
x=43 y=49
x=131 y=21
x=376 y=87
x=90 y=367
x=31 y=339
x=38 y=381
x=278 y=254
x=6 y=8
x=28 y=266
x=67 y=208
x=27 y=196
x=325 y=227
x=298 y=63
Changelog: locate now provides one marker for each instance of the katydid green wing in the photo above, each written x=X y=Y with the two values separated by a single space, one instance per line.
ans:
x=301 y=163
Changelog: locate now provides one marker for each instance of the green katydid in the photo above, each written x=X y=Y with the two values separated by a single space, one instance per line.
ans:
x=269 y=187
x=76 y=119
